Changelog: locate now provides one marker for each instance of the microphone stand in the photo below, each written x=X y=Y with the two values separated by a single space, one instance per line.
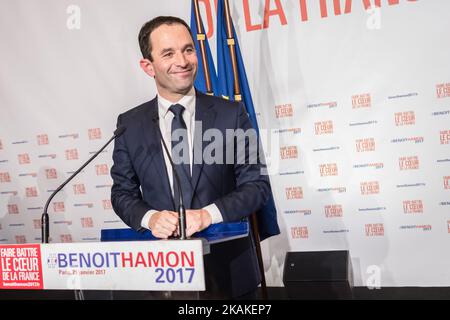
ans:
x=181 y=208
x=45 y=218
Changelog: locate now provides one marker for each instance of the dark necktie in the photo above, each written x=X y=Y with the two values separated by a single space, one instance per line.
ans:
x=180 y=156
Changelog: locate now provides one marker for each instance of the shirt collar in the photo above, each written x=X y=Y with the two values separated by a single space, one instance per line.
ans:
x=187 y=101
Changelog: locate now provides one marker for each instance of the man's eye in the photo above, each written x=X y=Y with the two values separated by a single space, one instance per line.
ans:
x=168 y=54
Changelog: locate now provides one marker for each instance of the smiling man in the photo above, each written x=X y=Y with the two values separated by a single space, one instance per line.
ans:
x=144 y=192
x=170 y=58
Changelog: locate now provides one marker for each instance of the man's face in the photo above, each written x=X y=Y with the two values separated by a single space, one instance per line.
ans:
x=174 y=64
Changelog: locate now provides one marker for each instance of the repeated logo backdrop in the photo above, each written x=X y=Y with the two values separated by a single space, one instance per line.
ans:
x=357 y=97
x=32 y=169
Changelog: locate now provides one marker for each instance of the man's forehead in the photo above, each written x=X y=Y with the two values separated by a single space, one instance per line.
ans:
x=165 y=32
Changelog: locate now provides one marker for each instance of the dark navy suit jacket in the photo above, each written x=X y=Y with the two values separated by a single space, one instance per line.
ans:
x=141 y=183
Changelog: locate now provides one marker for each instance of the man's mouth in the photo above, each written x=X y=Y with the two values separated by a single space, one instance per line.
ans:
x=183 y=72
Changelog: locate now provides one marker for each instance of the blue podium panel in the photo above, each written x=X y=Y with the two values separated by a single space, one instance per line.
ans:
x=215 y=233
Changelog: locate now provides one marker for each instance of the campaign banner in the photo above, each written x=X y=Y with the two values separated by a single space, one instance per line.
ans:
x=169 y=265
x=20 y=267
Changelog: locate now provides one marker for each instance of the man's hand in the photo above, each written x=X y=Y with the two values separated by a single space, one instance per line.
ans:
x=163 y=224
x=197 y=220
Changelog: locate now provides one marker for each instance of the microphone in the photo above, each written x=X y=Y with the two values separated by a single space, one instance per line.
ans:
x=45 y=219
x=181 y=208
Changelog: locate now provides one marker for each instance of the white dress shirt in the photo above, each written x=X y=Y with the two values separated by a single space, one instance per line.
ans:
x=165 y=124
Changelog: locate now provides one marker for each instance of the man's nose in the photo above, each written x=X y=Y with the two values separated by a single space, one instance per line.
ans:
x=181 y=60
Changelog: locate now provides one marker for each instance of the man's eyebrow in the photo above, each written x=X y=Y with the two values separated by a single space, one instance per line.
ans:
x=186 y=46
x=165 y=50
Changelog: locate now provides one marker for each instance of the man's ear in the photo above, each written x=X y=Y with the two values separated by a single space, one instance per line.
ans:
x=147 y=66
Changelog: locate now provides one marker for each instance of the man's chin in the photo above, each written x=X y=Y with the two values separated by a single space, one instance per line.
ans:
x=184 y=89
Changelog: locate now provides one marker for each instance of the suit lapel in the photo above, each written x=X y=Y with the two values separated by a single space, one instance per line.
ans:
x=204 y=120
x=150 y=124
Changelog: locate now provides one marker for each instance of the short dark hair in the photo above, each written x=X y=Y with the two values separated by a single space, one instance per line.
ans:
x=150 y=26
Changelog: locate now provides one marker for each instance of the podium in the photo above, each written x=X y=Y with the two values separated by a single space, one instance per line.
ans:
x=216 y=233
x=124 y=260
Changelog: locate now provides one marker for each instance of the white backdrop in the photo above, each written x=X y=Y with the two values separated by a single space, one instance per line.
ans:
x=359 y=101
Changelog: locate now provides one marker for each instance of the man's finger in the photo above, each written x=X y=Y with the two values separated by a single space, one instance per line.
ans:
x=172 y=217
x=164 y=228
x=171 y=221
x=169 y=226
x=159 y=234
